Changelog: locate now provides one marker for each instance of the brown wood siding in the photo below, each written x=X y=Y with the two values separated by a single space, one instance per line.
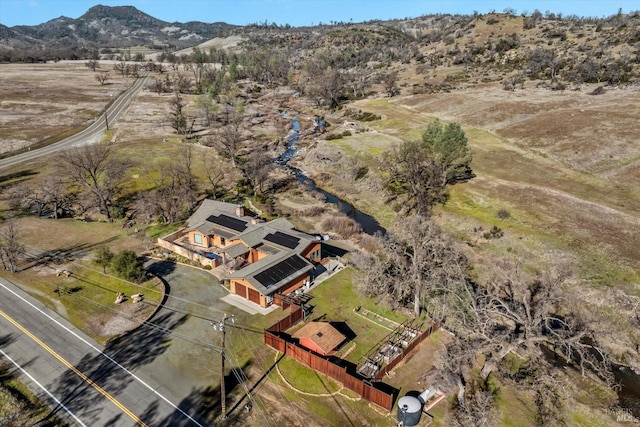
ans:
x=312 y=248
x=254 y=296
x=293 y=285
x=240 y=290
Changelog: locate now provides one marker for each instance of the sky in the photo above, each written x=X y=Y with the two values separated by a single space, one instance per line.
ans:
x=300 y=12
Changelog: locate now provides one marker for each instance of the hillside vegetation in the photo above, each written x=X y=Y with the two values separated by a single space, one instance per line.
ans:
x=540 y=240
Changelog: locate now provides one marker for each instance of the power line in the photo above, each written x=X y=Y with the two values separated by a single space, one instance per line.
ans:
x=238 y=373
x=169 y=296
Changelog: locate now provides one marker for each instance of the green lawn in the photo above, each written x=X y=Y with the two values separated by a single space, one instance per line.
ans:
x=335 y=299
x=306 y=379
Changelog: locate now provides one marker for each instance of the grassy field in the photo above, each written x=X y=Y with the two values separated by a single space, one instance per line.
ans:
x=563 y=164
x=552 y=204
x=58 y=97
x=86 y=297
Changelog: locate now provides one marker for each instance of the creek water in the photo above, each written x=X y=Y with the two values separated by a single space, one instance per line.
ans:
x=629 y=380
x=368 y=223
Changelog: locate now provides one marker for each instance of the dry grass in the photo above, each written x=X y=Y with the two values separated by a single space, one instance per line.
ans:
x=564 y=164
x=56 y=97
x=551 y=199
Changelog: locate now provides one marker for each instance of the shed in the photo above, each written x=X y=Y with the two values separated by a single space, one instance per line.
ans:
x=320 y=337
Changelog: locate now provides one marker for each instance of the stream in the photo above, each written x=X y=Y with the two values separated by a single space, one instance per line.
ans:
x=368 y=223
x=629 y=380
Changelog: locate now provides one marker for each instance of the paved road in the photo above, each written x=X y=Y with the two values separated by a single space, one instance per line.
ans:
x=87 y=384
x=92 y=133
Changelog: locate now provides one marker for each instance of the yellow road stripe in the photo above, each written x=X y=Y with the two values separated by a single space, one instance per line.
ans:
x=75 y=370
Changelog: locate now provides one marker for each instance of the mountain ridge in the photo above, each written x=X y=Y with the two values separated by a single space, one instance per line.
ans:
x=110 y=26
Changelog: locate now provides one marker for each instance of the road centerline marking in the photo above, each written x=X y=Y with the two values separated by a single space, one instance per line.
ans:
x=75 y=370
x=96 y=349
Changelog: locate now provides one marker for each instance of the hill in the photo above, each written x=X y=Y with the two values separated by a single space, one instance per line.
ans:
x=550 y=108
x=100 y=27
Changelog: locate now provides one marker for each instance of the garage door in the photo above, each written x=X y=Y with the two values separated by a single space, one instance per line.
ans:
x=254 y=296
x=241 y=290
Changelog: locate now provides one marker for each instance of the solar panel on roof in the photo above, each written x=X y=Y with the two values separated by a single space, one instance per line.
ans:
x=228 y=222
x=281 y=270
x=283 y=239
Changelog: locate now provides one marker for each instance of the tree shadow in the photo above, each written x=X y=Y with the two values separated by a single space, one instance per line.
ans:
x=161 y=268
x=15 y=176
x=204 y=405
x=63 y=255
x=138 y=348
x=6 y=340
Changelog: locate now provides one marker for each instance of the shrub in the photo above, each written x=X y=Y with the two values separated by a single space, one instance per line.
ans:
x=127 y=265
x=368 y=243
x=503 y=214
x=360 y=172
x=342 y=225
x=314 y=211
x=337 y=135
x=495 y=233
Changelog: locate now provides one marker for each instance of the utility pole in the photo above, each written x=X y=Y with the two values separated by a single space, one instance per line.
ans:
x=221 y=325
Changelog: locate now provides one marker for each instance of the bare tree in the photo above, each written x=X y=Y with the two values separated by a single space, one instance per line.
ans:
x=102 y=77
x=416 y=264
x=181 y=83
x=175 y=190
x=325 y=83
x=416 y=177
x=477 y=410
x=257 y=168
x=11 y=247
x=228 y=139
x=529 y=317
x=121 y=67
x=358 y=82
x=390 y=83
x=92 y=64
x=419 y=171
x=93 y=168
x=216 y=174
x=49 y=196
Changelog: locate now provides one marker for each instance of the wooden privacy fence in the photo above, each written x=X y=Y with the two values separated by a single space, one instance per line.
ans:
x=340 y=370
x=405 y=351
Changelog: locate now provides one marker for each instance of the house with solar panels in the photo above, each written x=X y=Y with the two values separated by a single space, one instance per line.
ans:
x=267 y=258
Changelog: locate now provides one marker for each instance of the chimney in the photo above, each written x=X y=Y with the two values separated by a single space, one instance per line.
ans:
x=239 y=210
x=256 y=220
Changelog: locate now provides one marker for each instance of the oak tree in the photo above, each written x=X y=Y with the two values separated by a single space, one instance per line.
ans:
x=93 y=168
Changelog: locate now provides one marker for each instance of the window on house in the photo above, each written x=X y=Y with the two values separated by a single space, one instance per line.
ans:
x=222 y=241
x=197 y=238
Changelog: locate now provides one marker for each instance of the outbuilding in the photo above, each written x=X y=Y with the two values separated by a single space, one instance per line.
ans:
x=320 y=337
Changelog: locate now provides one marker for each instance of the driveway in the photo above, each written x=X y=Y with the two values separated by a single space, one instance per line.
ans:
x=187 y=369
